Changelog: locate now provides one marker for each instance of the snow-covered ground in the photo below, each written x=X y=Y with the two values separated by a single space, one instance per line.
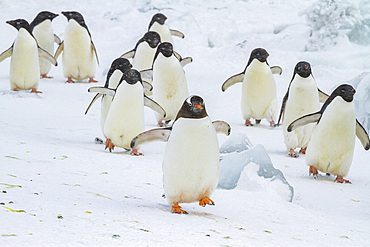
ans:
x=59 y=188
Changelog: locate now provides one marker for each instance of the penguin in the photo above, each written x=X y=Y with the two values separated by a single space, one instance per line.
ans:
x=79 y=53
x=157 y=24
x=43 y=32
x=190 y=165
x=301 y=98
x=258 y=89
x=24 y=65
x=331 y=147
x=125 y=118
x=170 y=88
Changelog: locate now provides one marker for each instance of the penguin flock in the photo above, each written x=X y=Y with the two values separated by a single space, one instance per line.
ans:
x=152 y=75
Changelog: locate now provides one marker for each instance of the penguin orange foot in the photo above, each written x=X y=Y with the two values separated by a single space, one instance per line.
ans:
x=15 y=89
x=313 y=171
x=248 y=123
x=69 y=80
x=46 y=76
x=92 y=80
x=206 y=201
x=292 y=153
x=303 y=150
x=176 y=209
x=109 y=144
x=34 y=90
x=273 y=124
x=134 y=151
x=340 y=179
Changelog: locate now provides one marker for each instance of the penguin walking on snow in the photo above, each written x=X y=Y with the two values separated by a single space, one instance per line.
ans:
x=258 y=89
x=125 y=118
x=170 y=88
x=157 y=24
x=79 y=53
x=43 y=32
x=301 y=98
x=191 y=160
x=331 y=147
x=24 y=65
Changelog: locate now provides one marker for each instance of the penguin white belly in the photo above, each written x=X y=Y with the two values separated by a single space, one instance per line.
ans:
x=163 y=31
x=169 y=86
x=258 y=92
x=125 y=118
x=24 y=65
x=333 y=139
x=107 y=99
x=303 y=99
x=191 y=161
x=144 y=56
x=44 y=35
x=78 y=56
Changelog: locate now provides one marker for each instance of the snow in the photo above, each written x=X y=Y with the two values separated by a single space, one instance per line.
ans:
x=69 y=191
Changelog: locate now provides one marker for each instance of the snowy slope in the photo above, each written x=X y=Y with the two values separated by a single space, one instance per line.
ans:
x=62 y=189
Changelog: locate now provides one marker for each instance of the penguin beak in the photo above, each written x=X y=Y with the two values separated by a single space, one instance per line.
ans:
x=198 y=106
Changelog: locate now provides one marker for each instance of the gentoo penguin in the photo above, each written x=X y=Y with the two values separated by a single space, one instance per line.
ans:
x=331 y=147
x=79 y=53
x=191 y=160
x=114 y=77
x=170 y=88
x=43 y=32
x=24 y=64
x=157 y=24
x=125 y=118
x=301 y=98
x=258 y=90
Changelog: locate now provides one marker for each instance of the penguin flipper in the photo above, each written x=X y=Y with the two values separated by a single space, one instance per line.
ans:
x=94 y=50
x=7 y=53
x=57 y=40
x=147 y=85
x=322 y=96
x=154 y=106
x=96 y=97
x=222 y=127
x=186 y=61
x=232 y=80
x=277 y=70
x=282 y=110
x=310 y=118
x=362 y=135
x=146 y=74
x=129 y=54
x=47 y=56
x=161 y=134
x=59 y=50
x=102 y=90
x=177 y=55
x=177 y=33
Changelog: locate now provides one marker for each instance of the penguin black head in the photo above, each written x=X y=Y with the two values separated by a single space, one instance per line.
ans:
x=20 y=23
x=166 y=49
x=152 y=38
x=131 y=76
x=42 y=16
x=258 y=53
x=193 y=107
x=75 y=16
x=121 y=64
x=160 y=18
x=303 y=69
x=345 y=91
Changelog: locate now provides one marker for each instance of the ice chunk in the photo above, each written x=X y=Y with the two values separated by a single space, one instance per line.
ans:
x=362 y=99
x=237 y=142
x=252 y=169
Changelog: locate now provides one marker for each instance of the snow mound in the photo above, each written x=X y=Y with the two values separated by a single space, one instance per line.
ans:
x=251 y=169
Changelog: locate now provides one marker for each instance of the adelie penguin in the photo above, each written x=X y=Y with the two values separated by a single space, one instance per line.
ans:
x=24 y=65
x=301 y=98
x=79 y=53
x=43 y=32
x=170 y=88
x=125 y=117
x=157 y=24
x=258 y=89
x=332 y=143
x=190 y=165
